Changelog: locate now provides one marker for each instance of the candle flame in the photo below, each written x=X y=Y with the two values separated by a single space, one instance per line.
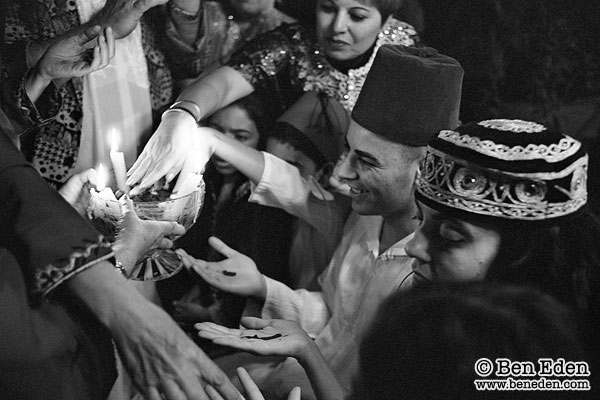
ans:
x=101 y=178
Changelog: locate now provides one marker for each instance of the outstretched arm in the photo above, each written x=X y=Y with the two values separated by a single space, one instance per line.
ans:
x=278 y=338
x=162 y=360
x=175 y=139
x=238 y=274
x=245 y=159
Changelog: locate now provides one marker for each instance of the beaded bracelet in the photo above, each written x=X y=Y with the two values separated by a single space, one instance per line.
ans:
x=120 y=268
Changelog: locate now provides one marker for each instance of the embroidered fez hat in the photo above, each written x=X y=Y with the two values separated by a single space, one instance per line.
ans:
x=509 y=169
x=410 y=94
x=321 y=119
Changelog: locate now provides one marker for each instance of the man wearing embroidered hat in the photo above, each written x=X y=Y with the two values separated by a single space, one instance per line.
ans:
x=504 y=200
x=408 y=97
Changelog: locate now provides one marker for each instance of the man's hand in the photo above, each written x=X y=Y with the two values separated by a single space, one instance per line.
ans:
x=123 y=15
x=236 y=274
x=276 y=337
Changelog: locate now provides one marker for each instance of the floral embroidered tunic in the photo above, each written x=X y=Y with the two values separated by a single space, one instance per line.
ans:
x=289 y=61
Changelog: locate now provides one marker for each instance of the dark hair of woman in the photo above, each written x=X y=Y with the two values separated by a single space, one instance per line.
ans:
x=548 y=256
x=258 y=111
x=385 y=7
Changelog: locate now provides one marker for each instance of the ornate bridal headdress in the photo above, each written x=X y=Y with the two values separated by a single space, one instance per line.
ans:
x=510 y=169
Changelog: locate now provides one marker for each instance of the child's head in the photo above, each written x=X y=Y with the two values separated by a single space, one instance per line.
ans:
x=308 y=137
x=425 y=343
x=246 y=121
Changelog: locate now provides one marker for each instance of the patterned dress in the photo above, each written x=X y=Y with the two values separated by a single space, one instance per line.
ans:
x=53 y=145
x=288 y=61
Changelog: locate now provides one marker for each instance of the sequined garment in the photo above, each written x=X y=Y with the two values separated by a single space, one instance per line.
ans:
x=288 y=61
x=56 y=144
x=220 y=33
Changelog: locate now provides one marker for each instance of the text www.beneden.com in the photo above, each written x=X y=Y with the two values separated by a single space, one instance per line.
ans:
x=532 y=384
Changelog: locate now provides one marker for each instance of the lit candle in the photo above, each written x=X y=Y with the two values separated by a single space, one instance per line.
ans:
x=103 y=203
x=104 y=192
x=118 y=161
x=100 y=178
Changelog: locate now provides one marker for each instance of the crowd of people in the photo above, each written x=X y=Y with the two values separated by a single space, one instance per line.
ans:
x=379 y=215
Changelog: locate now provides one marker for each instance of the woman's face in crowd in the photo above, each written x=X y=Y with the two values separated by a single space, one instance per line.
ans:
x=347 y=28
x=447 y=248
x=234 y=122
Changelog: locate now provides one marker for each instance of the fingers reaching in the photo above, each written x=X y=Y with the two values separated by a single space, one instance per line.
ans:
x=221 y=247
x=295 y=394
x=172 y=391
x=212 y=393
x=255 y=323
x=250 y=387
x=86 y=39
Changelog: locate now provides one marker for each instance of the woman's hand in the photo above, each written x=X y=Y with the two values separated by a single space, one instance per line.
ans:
x=166 y=152
x=161 y=359
x=137 y=236
x=73 y=55
x=76 y=190
x=252 y=391
x=236 y=274
x=276 y=337
x=124 y=15
x=70 y=57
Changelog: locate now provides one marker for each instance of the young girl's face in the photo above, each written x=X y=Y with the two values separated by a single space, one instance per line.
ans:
x=234 y=122
x=447 y=248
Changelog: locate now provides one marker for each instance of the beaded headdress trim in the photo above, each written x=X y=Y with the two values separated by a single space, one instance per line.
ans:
x=458 y=184
x=555 y=152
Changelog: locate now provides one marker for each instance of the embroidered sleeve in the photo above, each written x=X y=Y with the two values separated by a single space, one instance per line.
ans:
x=399 y=32
x=49 y=239
x=14 y=99
x=49 y=277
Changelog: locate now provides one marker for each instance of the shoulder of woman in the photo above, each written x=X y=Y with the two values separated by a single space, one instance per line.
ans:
x=398 y=32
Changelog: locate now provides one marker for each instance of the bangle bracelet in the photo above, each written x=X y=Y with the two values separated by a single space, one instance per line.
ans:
x=179 y=110
x=189 y=106
x=120 y=268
